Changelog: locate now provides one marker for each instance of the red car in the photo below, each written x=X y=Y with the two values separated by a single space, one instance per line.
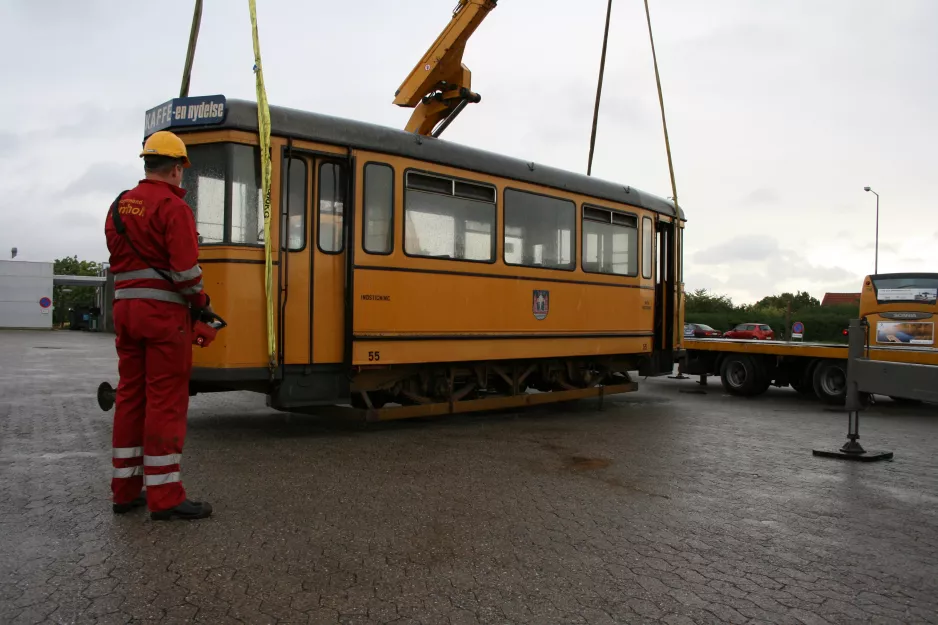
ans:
x=700 y=331
x=756 y=331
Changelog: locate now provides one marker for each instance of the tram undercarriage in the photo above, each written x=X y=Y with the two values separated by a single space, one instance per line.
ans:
x=379 y=393
x=400 y=392
x=459 y=387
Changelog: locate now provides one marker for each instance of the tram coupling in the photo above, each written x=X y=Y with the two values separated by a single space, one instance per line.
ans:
x=204 y=331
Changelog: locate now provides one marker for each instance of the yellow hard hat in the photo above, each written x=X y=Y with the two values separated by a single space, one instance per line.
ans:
x=165 y=143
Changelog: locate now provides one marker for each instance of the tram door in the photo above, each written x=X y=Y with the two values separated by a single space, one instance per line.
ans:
x=330 y=202
x=293 y=339
x=312 y=259
x=311 y=280
x=665 y=297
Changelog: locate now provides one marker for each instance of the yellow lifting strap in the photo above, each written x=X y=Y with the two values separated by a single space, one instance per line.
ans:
x=263 y=131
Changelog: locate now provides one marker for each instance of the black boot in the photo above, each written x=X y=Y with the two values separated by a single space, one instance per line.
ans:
x=187 y=510
x=121 y=508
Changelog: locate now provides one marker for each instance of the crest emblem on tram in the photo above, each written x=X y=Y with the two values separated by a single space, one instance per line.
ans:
x=541 y=304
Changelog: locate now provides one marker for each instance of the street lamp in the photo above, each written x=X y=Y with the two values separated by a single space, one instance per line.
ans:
x=876 y=262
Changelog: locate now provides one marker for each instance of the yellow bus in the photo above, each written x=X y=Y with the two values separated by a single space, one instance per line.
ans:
x=416 y=276
x=900 y=309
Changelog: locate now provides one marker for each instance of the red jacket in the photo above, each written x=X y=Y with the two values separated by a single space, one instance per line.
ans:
x=161 y=227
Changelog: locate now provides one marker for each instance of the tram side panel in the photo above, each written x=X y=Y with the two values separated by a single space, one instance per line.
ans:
x=446 y=284
x=415 y=317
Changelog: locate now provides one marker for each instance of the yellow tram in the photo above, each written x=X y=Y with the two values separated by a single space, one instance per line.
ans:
x=415 y=276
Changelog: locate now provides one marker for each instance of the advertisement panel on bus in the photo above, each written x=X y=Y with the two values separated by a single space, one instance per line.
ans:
x=911 y=333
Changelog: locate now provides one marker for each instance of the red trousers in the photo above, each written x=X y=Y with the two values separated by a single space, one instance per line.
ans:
x=154 y=348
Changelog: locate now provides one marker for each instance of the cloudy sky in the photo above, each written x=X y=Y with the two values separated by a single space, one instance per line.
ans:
x=779 y=113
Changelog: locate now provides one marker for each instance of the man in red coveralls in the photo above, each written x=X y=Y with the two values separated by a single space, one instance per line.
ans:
x=157 y=288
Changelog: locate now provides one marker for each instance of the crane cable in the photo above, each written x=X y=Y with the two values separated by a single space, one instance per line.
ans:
x=599 y=90
x=664 y=123
x=190 y=53
x=667 y=145
x=263 y=131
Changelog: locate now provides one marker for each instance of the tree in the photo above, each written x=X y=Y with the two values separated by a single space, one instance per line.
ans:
x=700 y=301
x=67 y=297
x=802 y=300
x=822 y=323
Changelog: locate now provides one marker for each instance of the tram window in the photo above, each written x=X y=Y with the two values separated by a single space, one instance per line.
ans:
x=378 y=208
x=610 y=242
x=434 y=184
x=539 y=230
x=204 y=182
x=247 y=206
x=647 y=247
x=447 y=218
x=295 y=210
x=331 y=208
x=224 y=190
x=680 y=251
x=474 y=191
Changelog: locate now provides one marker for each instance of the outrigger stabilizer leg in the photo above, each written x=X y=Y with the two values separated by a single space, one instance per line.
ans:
x=680 y=372
x=852 y=450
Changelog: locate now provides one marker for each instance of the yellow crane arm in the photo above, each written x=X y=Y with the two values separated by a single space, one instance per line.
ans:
x=440 y=86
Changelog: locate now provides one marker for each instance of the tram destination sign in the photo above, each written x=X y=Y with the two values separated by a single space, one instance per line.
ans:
x=181 y=112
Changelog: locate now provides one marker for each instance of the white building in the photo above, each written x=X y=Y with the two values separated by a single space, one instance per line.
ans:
x=26 y=294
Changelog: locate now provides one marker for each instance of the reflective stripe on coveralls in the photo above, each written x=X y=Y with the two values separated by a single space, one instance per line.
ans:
x=127 y=452
x=147 y=274
x=161 y=461
x=126 y=462
x=123 y=473
x=161 y=479
x=157 y=294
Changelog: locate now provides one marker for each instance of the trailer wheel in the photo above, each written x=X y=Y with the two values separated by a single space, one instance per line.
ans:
x=830 y=381
x=739 y=375
x=763 y=379
x=804 y=381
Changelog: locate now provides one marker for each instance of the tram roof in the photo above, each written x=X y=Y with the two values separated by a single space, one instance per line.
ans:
x=299 y=124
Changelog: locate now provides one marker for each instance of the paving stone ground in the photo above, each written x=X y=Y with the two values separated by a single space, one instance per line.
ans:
x=668 y=506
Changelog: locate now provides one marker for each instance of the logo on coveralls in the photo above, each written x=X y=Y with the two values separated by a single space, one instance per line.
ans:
x=132 y=206
x=541 y=304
